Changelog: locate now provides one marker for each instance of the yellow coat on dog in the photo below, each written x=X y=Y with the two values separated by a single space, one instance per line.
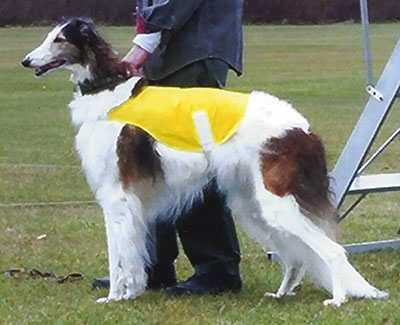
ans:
x=176 y=116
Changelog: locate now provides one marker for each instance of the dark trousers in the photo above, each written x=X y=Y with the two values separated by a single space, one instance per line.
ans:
x=206 y=231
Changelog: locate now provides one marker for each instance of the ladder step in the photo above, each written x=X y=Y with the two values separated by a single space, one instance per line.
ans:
x=358 y=248
x=366 y=129
x=375 y=183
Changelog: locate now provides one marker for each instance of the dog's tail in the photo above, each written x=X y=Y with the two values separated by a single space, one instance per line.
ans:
x=295 y=164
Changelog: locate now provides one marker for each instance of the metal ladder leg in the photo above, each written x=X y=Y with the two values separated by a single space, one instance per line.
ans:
x=367 y=127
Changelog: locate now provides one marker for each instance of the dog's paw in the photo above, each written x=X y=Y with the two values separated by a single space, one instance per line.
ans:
x=108 y=299
x=382 y=295
x=104 y=300
x=130 y=295
x=133 y=289
x=279 y=295
x=377 y=294
x=334 y=302
x=273 y=295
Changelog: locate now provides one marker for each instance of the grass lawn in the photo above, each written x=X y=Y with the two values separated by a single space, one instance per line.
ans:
x=318 y=68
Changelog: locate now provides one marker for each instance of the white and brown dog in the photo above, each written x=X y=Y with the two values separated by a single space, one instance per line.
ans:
x=272 y=170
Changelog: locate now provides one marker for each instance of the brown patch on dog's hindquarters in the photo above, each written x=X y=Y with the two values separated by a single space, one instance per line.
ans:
x=279 y=174
x=280 y=163
x=295 y=164
x=137 y=157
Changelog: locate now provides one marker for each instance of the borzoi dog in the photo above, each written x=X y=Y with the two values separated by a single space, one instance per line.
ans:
x=272 y=170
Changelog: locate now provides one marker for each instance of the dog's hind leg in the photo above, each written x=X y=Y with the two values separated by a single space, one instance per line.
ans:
x=247 y=212
x=292 y=269
x=298 y=272
x=126 y=232
x=333 y=271
x=347 y=281
x=292 y=277
x=257 y=229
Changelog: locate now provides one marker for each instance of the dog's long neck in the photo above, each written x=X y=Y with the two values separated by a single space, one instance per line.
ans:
x=100 y=69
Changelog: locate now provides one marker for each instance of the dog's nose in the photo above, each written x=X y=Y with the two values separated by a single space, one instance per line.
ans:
x=26 y=62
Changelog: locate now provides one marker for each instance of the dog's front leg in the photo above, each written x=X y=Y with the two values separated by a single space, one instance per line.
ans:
x=126 y=249
x=116 y=290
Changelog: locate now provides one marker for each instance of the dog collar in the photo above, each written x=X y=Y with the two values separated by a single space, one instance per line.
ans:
x=89 y=87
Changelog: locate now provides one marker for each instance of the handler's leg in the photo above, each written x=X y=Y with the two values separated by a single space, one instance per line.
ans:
x=207 y=231
x=164 y=251
x=208 y=237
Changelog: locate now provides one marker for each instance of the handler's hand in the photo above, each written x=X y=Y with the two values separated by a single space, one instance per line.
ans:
x=133 y=62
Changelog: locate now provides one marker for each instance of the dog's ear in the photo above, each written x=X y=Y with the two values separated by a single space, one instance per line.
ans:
x=87 y=29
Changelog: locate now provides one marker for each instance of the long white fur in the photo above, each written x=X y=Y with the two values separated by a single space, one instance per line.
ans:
x=274 y=222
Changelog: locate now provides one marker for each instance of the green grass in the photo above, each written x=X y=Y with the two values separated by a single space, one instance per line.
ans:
x=318 y=68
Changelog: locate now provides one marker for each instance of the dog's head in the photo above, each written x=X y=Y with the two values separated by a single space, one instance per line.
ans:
x=68 y=46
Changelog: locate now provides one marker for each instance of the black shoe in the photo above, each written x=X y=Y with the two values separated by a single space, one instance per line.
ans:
x=161 y=276
x=206 y=284
x=103 y=283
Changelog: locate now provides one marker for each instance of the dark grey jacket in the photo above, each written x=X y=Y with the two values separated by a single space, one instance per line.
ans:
x=193 y=30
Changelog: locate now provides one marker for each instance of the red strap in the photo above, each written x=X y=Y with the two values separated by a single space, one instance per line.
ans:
x=140 y=25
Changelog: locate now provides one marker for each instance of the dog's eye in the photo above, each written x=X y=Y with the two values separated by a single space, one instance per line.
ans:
x=58 y=40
